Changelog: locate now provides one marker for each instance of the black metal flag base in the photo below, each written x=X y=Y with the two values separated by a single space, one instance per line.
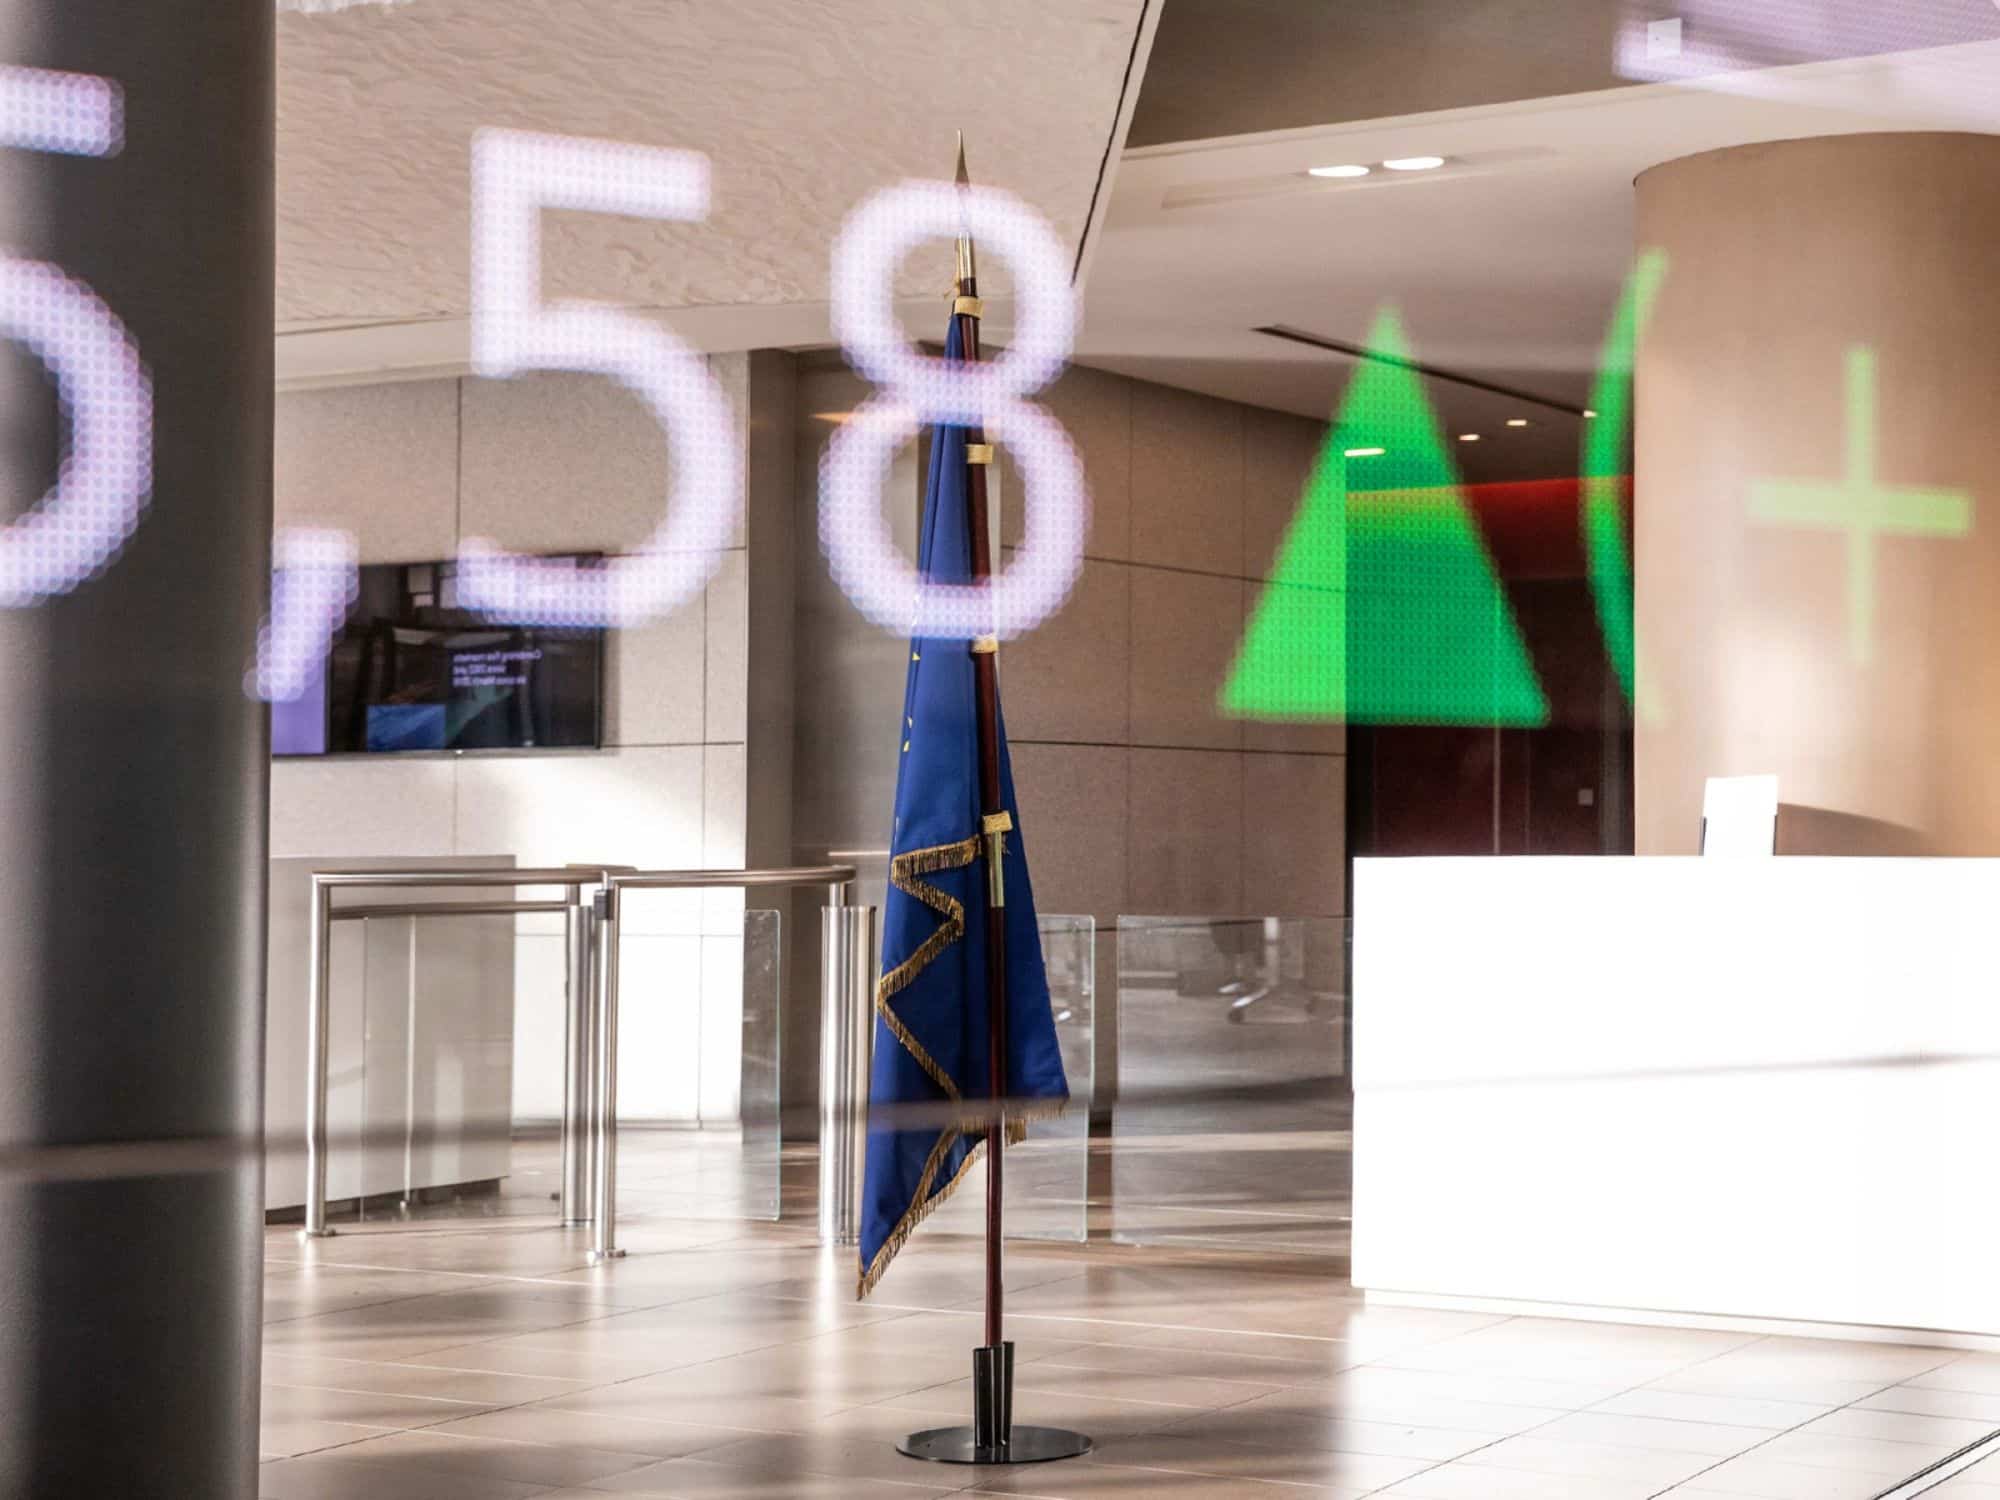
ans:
x=993 y=1438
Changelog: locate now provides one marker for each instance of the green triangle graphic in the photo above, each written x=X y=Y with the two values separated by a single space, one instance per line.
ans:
x=1385 y=606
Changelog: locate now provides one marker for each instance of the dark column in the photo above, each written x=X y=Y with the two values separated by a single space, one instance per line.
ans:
x=133 y=789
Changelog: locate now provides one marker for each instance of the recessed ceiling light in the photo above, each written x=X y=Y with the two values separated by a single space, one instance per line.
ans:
x=1413 y=163
x=1366 y=452
x=1468 y=437
x=1517 y=421
x=1350 y=169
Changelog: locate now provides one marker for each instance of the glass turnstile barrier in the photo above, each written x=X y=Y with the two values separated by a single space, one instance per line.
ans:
x=1231 y=1118
x=698 y=1070
x=1048 y=1174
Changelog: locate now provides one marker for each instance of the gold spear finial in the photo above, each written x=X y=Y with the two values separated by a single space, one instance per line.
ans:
x=968 y=270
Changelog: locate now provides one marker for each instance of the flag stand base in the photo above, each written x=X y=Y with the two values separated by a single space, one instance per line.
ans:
x=993 y=1438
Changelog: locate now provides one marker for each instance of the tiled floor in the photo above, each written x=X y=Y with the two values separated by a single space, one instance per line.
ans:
x=481 y=1360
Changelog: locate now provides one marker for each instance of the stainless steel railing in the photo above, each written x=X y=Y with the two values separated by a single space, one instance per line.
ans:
x=604 y=1137
x=849 y=957
x=591 y=910
x=578 y=1082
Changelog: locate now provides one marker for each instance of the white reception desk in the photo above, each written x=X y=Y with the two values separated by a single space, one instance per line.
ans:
x=1678 y=1089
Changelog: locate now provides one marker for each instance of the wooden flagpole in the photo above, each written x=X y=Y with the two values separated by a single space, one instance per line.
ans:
x=992 y=807
x=993 y=1438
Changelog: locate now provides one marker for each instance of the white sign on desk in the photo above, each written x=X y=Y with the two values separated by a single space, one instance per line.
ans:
x=1739 y=816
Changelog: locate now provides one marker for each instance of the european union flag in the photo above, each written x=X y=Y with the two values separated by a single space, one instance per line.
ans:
x=931 y=1005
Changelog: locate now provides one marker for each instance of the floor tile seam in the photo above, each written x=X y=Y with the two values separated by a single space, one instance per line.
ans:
x=645 y=1375
x=1307 y=1338
x=1568 y=1408
x=335 y=1312
x=347 y=1390
x=1993 y=1396
x=344 y=1443
x=1955 y=1390
x=1786 y=1432
x=943 y=1480
x=644 y=1459
x=1181 y=1406
x=371 y=1268
x=618 y=1310
x=641 y=1421
x=1265 y=1387
x=371 y=1431
x=1483 y=1447
x=1096 y=1462
x=1821 y=1410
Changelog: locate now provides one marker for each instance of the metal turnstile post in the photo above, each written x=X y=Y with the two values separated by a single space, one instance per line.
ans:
x=319 y=1025
x=604 y=1146
x=579 y=1059
x=847 y=1031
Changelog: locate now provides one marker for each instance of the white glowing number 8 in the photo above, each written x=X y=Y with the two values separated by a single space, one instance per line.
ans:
x=100 y=493
x=919 y=389
x=515 y=176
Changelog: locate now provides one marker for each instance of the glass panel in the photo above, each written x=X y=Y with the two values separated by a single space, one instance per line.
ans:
x=1231 y=1124
x=420 y=1127
x=722 y=1164
x=1048 y=1173
x=376 y=1140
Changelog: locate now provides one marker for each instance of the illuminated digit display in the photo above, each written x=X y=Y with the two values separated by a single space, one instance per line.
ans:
x=314 y=580
x=1606 y=440
x=1385 y=605
x=920 y=389
x=106 y=477
x=515 y=176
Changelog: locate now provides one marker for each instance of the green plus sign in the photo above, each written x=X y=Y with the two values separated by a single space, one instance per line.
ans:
x=1860 y=505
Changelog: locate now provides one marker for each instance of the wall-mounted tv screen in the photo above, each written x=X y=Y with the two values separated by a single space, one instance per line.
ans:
x=410 y=670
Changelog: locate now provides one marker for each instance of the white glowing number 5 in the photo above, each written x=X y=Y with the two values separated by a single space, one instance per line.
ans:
x=853 y=530
x=515 y=176
x=100 y=493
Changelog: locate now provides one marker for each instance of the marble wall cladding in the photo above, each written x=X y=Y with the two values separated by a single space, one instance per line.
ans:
x=1185 y=833
x=1073 y=816
x=726 y=665
x=1142 y=796
x=654 y=681
x=1071 y=679
x=1095 y=408
x=1279 y=450
x=1295 y=834
x=1187 y=480
x=339 y=809
x=1185 y=628
x=561 y=463
x=380 y=461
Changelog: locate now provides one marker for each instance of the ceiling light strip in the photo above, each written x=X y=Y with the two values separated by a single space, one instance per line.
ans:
x=1433 y=372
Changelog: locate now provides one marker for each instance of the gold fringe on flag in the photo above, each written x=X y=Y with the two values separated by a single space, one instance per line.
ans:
x=904 y=871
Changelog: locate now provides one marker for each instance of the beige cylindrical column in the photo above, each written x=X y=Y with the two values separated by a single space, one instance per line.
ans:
x=1817 y=514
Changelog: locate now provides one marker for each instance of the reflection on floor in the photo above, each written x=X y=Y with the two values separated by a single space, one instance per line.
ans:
x=449 y=1357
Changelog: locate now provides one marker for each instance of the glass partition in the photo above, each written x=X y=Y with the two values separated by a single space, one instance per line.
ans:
x=1231 y=1119
x=420 y=1076
x=723 y=1162
x=1048 y=1174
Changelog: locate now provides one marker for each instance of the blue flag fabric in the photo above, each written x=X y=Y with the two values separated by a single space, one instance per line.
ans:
x=931 y=1004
